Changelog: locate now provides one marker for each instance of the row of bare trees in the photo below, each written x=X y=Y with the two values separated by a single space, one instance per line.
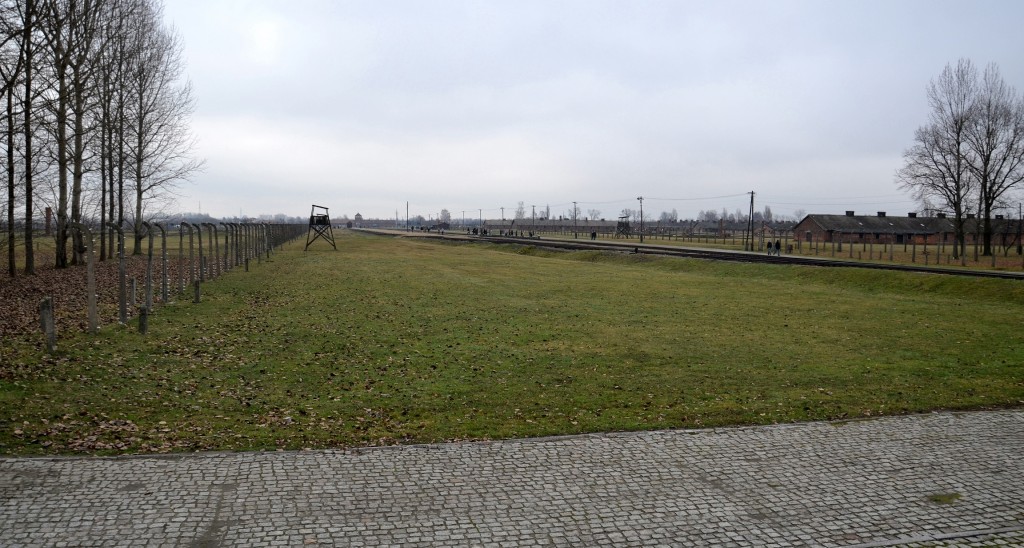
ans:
x=96 y=120
x=970 y=154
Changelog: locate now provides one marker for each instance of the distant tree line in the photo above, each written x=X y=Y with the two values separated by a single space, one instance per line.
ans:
x=95 y=118
x=970 y=154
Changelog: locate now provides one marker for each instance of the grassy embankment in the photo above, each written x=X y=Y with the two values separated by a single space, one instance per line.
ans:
x=398 y=340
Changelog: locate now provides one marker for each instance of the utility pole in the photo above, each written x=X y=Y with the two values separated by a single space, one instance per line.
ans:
x=503 y=214
x=574 y=232
x=481 y=222
x=750 y=225
x=407 y=216
x=641 y=198
x=463 y=218
x=533 y=218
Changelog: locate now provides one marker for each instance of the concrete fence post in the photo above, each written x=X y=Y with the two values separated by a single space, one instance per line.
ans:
x=90 y=274
x=143 y=320
x=122 y=297
x=149 y=266
x=181 y=258
x=163 y=263
x=202 y=262
x=47 y=324
x=227 y=246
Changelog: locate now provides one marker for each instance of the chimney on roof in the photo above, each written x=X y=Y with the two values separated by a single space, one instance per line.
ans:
x=849 y=213
x=912 y=214
x=881 y=214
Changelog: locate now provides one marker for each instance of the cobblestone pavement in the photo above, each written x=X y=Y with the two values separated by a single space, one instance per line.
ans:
x=942 y=479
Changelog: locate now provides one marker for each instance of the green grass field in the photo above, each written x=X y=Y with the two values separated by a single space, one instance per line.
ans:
x=401 y=340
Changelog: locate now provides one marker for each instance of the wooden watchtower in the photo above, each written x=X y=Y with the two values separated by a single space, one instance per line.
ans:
x=319 y=227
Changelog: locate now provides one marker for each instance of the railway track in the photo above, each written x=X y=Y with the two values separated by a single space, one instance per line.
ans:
x=711 y=254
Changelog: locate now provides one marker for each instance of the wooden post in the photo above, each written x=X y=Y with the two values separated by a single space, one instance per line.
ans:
x=133 y=293
x=196 y=290
x=46 y=322
x=913 y=251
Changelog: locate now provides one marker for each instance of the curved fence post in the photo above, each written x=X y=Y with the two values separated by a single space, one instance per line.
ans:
x=149 y=266
x=265 y=235
x=245 y=245
x=216 y=248
x=163 y=263
x=259 y=241
x=227 y=246
x=90 y=269
x=211 y=261
x=182 y=227
x=193 y=271
x=122 y=310
x=199 y=235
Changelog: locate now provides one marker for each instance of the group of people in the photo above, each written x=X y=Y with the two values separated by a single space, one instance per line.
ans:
x=775 y=249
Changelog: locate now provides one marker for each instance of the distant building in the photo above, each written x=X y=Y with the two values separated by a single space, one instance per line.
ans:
x=882 y=228
x=878 y=228
x=358 y=220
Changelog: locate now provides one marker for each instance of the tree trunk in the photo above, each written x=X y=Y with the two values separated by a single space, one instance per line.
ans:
x=12 y=269
x=30 y=264
x=62 y=167
x=77 y=160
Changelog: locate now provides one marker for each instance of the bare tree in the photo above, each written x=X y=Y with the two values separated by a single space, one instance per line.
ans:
x=996 y=142
x=936 y=166
x=11 y=64
x=161 y=145
x=28 y=17
x=111 y=95
x=594 y=214
x=71 y=34
x=521 y=210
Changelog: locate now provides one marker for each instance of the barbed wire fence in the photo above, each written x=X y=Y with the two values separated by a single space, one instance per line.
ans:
x=233 y=246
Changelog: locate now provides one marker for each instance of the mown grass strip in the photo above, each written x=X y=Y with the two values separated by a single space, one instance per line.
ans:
x=399 y=340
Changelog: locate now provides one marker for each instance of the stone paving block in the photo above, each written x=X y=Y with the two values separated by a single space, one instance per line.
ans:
x=940 y=479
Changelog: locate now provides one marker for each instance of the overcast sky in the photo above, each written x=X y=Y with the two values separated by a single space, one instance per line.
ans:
x=363 y=106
